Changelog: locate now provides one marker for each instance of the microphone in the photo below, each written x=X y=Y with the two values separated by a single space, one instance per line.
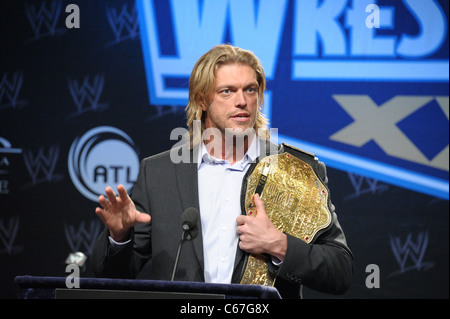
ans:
x=189 y=225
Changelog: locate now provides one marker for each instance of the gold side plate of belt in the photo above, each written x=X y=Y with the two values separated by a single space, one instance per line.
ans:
x=295 y=200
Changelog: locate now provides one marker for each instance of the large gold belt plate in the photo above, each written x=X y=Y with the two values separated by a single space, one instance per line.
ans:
x=295 y=200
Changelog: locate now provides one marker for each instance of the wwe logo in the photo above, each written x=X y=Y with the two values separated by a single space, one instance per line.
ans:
x=124 y=24
x=363 y=185
x=42 y=163
x=86 y=95
x=9 y=90
x=44 y=16
x=83 y=236
x=410 y=250
x=165 y=110
x=8 y=234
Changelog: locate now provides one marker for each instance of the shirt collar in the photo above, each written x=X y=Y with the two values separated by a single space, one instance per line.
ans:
x=252 y=153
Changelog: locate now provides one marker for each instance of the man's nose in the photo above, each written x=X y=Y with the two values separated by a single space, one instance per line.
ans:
x=240 y=99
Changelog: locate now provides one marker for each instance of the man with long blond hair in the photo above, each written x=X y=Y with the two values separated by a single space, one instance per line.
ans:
x=202 y=81
x=227 y=133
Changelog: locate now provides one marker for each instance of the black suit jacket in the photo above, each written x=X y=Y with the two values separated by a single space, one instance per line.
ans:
x=165 y=190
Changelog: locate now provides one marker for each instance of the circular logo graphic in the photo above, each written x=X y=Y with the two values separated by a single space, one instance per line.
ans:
x=103 y=156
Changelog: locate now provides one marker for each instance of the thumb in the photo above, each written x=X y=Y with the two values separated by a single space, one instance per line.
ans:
x=259 y=204
x=143 y=217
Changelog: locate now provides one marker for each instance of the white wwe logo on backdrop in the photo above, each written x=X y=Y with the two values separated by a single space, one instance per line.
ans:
x=162 y=110
x=410 y=250
x=10 y=89
x=125 y=24
x=363 y=185
x=44 y=20
x=41 y=166
x=83 y=236
x=86 y=95
x=8 y=234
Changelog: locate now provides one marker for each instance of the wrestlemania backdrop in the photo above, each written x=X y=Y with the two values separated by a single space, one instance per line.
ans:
x=88 y=88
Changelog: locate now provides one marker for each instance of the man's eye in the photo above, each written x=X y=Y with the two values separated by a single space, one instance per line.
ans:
x=226 y=91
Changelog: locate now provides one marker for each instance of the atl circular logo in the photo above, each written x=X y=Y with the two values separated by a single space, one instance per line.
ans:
x=103 y=156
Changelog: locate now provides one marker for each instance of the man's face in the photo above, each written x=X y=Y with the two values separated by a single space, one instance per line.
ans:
x=234 y=100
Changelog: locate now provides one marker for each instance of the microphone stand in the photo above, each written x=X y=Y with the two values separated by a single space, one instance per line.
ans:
x=185 y=236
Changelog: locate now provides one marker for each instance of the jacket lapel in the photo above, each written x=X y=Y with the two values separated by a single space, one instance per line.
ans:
x=187 y=184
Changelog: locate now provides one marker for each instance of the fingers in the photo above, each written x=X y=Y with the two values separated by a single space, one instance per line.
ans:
x=112 y=199
x=102 y=200
x=240 y=220
x=109 y=200
x=100 y=213
x=244 y=219
x=123 y=195
x=113 y=204
x=254 y=228
x=245 y=242
x=242 y=225
x=111 y=195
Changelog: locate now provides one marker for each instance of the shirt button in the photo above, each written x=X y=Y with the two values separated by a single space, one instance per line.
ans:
x=227 y=199
x=222 y=259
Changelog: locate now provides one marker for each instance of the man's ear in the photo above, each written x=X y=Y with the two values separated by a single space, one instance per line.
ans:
x=204 y=104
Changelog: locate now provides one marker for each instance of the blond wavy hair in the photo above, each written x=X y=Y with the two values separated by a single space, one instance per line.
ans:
x=202 y=81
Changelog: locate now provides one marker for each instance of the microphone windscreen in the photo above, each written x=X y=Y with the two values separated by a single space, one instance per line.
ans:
x=190 y=217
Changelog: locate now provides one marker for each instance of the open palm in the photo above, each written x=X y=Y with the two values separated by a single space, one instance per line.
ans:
x=119 y=213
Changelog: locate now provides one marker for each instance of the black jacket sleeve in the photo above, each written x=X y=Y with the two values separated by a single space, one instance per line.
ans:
x=325 y=265
x=128 y=260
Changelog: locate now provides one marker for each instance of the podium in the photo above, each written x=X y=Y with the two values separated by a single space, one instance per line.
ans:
x=42 y=287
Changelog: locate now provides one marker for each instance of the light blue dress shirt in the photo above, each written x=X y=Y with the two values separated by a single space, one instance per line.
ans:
x=219 y=189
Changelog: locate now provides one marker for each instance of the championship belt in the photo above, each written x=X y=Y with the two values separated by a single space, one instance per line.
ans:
x=295 y=199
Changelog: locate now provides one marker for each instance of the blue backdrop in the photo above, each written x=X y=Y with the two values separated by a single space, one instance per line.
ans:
x=361 y=83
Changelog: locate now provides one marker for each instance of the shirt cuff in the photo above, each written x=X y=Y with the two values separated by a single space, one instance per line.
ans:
x=113 y=242
x=115 y=246
x=276 y=261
